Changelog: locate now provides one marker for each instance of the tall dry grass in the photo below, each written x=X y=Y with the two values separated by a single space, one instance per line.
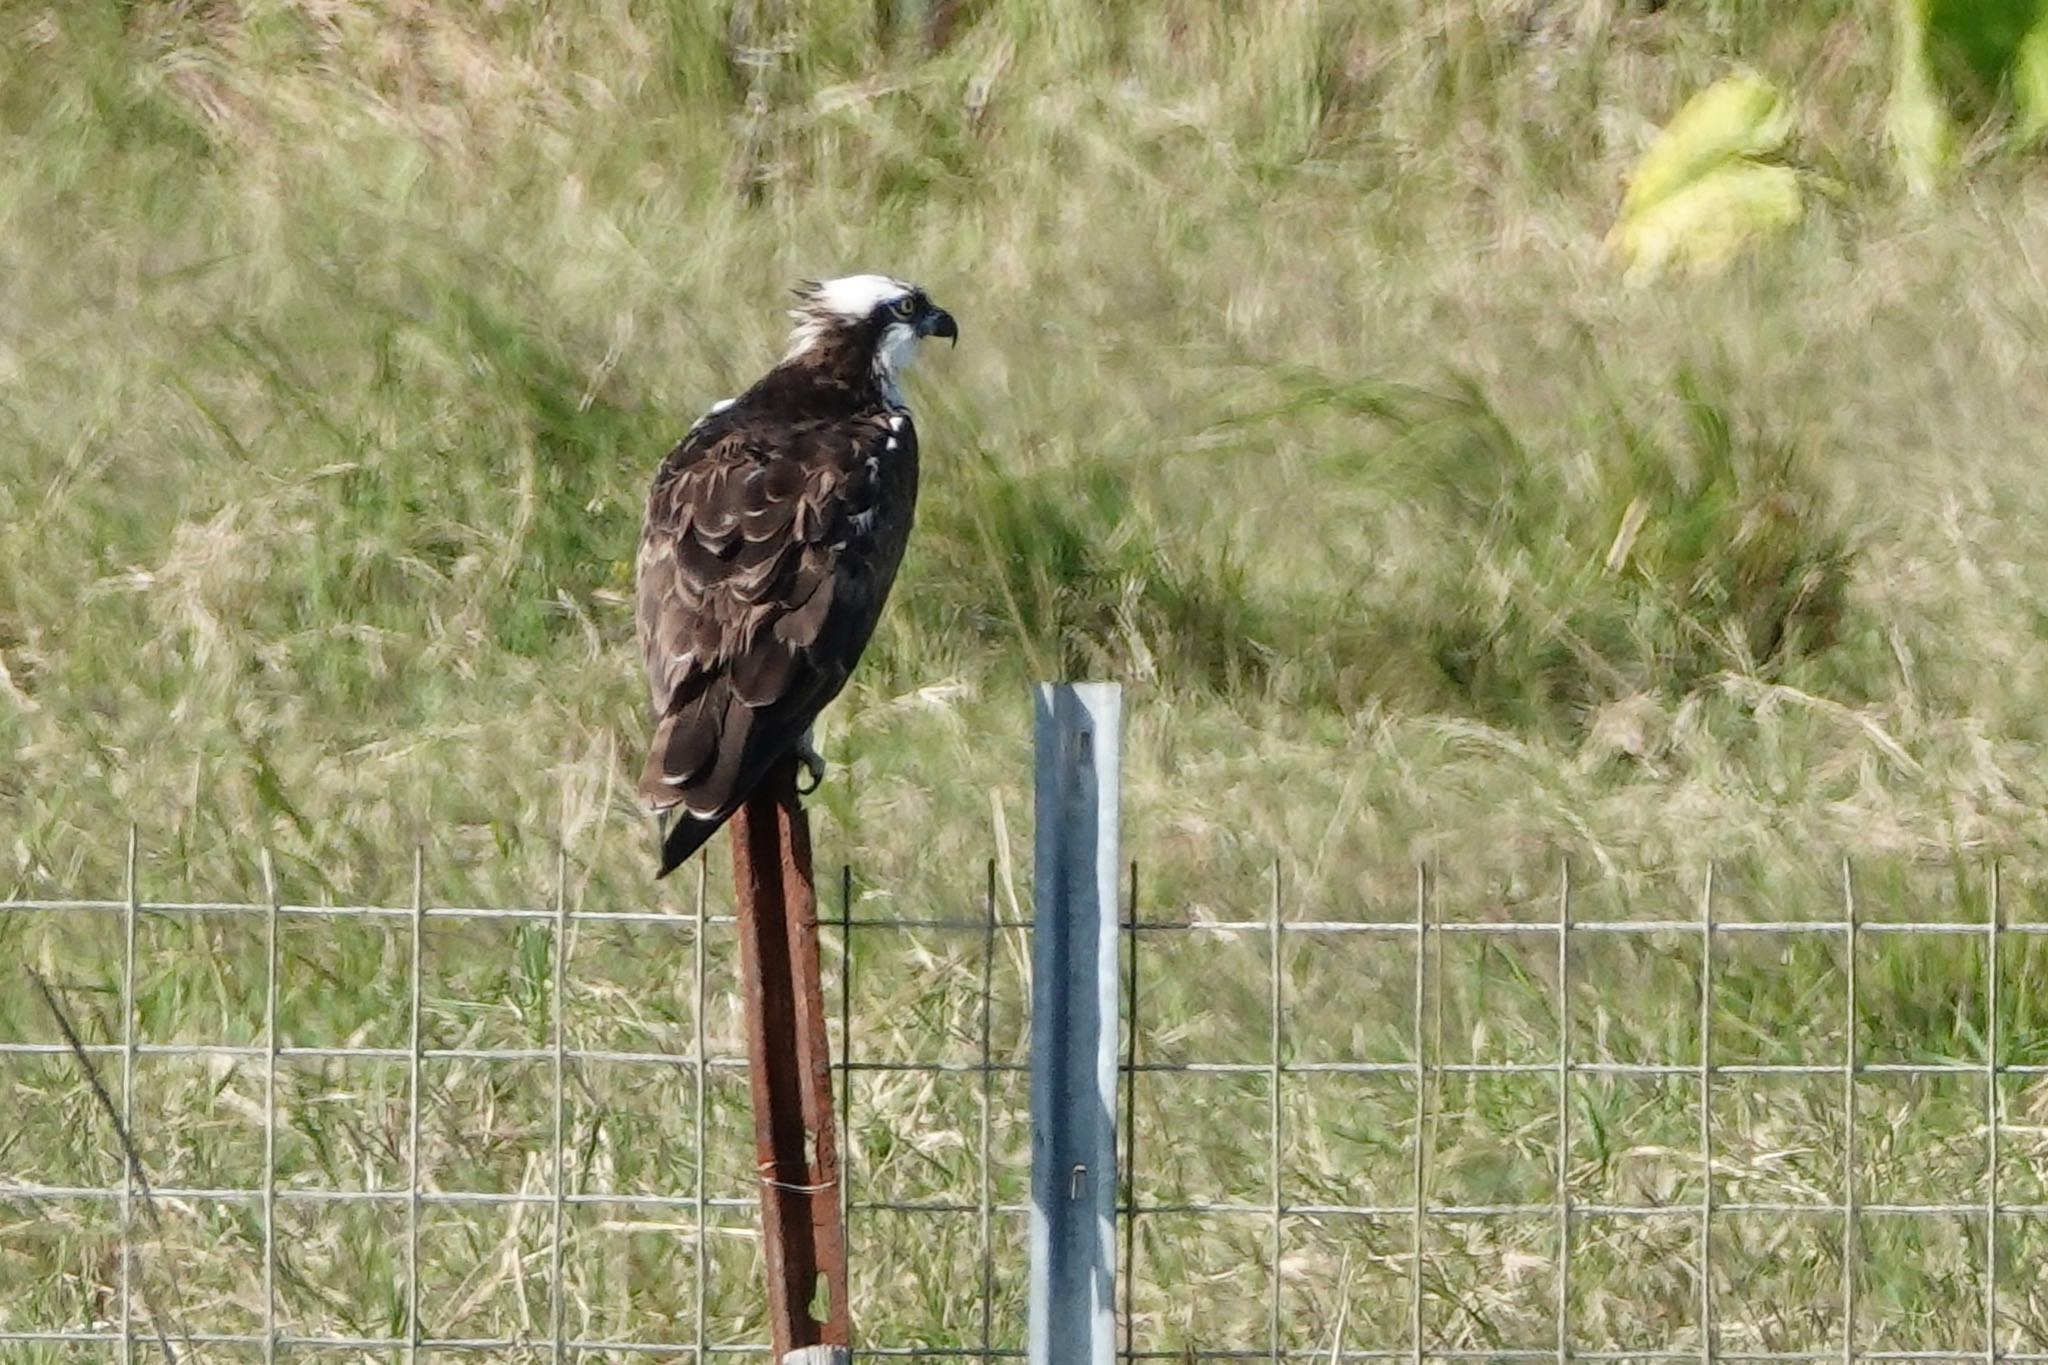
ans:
x=338 y=340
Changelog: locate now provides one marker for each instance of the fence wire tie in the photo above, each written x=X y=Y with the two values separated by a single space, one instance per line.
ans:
x=768 y=1179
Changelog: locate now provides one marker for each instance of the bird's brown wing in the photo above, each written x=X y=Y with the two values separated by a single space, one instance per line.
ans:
x=767 y=552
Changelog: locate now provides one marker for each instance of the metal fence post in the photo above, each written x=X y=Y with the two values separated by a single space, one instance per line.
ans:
x=789 y=1067
x=1074 y=1024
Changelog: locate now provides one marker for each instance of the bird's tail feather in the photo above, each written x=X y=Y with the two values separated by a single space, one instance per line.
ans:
x=686 y=834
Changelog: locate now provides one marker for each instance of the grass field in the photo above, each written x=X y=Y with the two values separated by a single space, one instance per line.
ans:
x=1296 y=391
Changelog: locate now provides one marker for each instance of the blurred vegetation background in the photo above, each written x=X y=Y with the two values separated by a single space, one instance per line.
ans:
x=1482 y=433
x=1298 y=391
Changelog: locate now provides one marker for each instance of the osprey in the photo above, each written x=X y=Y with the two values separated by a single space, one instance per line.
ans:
x=773 y=533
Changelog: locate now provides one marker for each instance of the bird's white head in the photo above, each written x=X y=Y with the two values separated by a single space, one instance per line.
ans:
x=883 y=319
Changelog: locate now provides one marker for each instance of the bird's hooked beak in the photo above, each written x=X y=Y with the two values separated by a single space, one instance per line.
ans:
x=937 y=322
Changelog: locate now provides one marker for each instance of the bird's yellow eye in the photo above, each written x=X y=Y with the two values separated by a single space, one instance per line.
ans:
x=904 y=306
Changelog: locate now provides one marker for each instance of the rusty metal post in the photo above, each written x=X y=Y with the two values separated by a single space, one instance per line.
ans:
x=789 y=1065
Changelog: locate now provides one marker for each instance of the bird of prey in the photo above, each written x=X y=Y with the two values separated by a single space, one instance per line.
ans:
x=773 y=533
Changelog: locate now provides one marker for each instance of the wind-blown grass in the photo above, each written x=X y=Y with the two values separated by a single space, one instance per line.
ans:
x=337 y=343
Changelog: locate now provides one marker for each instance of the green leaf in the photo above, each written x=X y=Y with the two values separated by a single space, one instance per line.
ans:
x=1707 y=222
x=1705 y=187
x=1922 y=134
x=1739 y=116
x=2030 y=81
x=1959 y=61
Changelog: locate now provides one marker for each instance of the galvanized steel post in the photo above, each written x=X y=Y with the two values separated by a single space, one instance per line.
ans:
x=1074 y=1024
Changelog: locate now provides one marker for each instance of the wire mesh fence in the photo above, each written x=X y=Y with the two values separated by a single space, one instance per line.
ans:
x=1516 y=1131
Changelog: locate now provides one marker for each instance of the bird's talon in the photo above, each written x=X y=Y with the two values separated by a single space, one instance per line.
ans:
x=813 y=765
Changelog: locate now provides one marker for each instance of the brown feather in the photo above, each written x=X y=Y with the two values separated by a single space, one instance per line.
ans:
x=773 y=533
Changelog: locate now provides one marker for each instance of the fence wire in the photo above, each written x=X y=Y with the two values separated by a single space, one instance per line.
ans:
x=137 y=1321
